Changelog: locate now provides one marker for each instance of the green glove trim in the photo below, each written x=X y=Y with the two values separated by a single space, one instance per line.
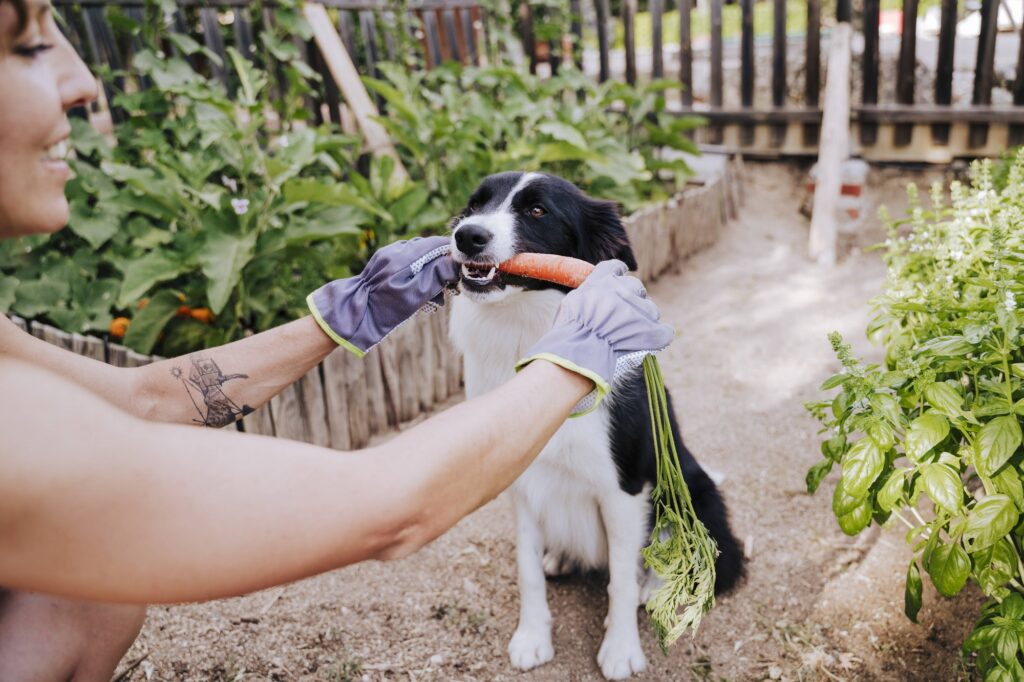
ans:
x=601 y=387
x=330 y=332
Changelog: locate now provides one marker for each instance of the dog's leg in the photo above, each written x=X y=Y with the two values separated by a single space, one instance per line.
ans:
x=531 y=643
x=625 y=521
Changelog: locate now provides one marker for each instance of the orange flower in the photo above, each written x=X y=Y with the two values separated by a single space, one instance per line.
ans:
x=118 y=327
x=142 y=303
x=184 y=311
x=203 y=315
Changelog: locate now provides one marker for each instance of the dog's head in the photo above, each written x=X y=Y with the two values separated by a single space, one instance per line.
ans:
x=512 y=213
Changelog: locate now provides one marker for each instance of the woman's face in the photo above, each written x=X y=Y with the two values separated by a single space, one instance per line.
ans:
x=41 y=77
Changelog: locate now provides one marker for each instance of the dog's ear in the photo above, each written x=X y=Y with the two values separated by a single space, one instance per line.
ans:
x=603 y=235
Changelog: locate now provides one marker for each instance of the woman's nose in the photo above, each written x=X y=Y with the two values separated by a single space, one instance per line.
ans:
x=77 y=84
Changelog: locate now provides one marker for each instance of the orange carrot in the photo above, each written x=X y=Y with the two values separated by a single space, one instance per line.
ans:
x=569 y=272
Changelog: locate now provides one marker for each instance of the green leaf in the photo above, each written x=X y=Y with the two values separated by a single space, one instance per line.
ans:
x=8 y=286
x=332 y=222
x=817 y=473
x=856 y=520
x=1005 y=643
x=993 y=568
x=947 y=346
x=949 y=567
x=891 y=492
x=945 y=399
x=996 y=443
x=564 y=133
x=881 y=432
x=222 y=258
x=990 y=520
x=943 y=485
x=887 y=406
x=97 y=225
x=142 y=273
x=37 y=297
x=925 y=432
x=912 y=592
x=843 y=502
x=146 y=325
x=861 y=466
x=1008 y=481
x=1013 y=605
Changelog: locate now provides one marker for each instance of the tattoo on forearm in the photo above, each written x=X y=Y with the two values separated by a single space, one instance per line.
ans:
x=208 y=380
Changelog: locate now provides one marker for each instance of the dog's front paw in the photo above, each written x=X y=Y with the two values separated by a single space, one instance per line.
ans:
x=621 y=656
x=530 y=647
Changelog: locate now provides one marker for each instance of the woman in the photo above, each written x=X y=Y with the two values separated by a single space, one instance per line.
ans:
x=107 y=496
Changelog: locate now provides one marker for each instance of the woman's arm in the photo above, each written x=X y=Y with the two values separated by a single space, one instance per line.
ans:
x=214 y=387
x=97 y=504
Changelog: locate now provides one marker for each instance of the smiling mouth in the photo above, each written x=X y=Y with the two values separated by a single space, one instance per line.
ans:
x=480 y=274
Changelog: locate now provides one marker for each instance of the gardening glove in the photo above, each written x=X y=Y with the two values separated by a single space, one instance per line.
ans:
x=602 y=330
x=399 y=280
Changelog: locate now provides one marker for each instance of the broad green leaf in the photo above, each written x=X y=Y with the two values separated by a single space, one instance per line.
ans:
x=1008 y=481
x=36 y=297
x=861 y=466
x=993 y=568
x=222 y=258
x=925 y=432
x=998 y=440
x=947 y=346
x=8 y=287
x=816 y=473
x=887 y=406
x=1013 y=605
x=843 y=502
x=95 y=225
x=980 y=638
x=142 y=273
x=405 y=208
x=881 y=432
x=949 y=567
x=333 y=222
x=145 y=327
x=856 y=520
x=990 y=520
x=912 y=592
x=553 y=152
x=945 y=399
x=891 y=492
x=943 y=486
x=1005 y=643
x=564 y=133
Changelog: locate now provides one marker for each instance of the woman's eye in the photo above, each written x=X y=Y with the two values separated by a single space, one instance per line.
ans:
x=31 y=50
x=537 y=212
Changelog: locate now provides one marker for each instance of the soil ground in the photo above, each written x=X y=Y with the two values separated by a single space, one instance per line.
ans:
x=751 y=315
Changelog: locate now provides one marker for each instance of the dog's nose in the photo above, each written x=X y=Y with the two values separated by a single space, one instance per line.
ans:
x=472 y=239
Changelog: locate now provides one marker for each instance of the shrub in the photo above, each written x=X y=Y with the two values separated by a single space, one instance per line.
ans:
x=938 y=423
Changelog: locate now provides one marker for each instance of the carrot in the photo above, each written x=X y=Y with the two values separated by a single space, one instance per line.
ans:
x=569 y=272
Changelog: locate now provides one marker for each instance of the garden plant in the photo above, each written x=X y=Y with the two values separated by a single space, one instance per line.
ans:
x=931 y=438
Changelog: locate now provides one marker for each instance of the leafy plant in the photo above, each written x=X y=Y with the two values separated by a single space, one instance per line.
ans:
x=932 y=437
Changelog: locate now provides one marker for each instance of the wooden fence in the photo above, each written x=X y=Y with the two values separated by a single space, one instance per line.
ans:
x=346 y=400
x=894 y=119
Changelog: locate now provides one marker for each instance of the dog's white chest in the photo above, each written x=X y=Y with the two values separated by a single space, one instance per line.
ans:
x=562 y=487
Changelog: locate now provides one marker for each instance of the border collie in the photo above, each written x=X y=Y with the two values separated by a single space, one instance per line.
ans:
x=584 y=503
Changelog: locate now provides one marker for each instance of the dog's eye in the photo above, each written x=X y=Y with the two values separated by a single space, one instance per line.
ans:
x=473 y=207
x=537 y=212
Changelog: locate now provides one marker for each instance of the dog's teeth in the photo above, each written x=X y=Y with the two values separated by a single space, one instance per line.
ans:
x=491 y=272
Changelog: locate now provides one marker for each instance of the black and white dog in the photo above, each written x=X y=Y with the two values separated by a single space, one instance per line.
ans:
x=585 y=502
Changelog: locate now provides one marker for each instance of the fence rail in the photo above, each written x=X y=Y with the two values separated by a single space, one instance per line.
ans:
x=897 y=117
x=343 y=402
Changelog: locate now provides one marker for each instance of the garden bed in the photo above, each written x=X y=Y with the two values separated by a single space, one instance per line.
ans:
x=345 y=401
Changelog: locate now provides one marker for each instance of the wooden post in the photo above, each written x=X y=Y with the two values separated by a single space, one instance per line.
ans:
x=835 y=144
x=345 y=75
x=685 y=52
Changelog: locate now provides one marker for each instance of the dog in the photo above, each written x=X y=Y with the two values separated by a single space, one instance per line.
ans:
x=584 y=503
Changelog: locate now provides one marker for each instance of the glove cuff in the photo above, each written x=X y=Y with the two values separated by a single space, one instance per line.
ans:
x=318 y=316
x=580 y=351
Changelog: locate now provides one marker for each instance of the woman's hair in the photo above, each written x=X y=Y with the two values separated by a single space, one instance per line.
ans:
x=21 y=11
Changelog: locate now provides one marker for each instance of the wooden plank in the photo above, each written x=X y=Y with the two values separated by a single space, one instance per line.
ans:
x=472 y=50
x=260 y=422
x=944 y=66
x=834 y=147
x=375 y=393
x=457 y=46
x=527 y=36
x=812 y=68
x=346 y=29
x=716 y=54
x=117 y=355
x=243 y=32
x=756 y=116
x=747 y=67
x=869 y=92
x=390 y=30
x=213 y=40
x=368 y=27
x=52 y=335
x=629 y=37
x=1018 y=84
x=299 y=412
x=89 y=347
x=102 y=52
x=931 y=114
x=576 y=31
x=340 y=370
x=433 y=38
x=686 y=51
x=329 y=92
x=983 y=71
x=778 y=133
x=657 y=47
x=603 y=13
x=345 y=74
x=906 y=69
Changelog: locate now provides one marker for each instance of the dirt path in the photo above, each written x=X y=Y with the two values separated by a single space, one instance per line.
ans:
x=751 y=316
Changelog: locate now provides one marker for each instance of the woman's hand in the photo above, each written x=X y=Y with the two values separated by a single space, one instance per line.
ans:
x=400 y=279
x=602 y=330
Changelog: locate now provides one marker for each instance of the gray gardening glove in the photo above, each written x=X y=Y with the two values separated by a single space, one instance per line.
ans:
x=400 y=279
x=602 y=330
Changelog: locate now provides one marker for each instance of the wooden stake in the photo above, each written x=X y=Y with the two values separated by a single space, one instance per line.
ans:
x=834 y=149
x=339 y=62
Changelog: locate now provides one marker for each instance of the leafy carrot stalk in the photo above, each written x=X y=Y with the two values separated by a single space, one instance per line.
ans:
x=569 y=272
x=682 y=552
